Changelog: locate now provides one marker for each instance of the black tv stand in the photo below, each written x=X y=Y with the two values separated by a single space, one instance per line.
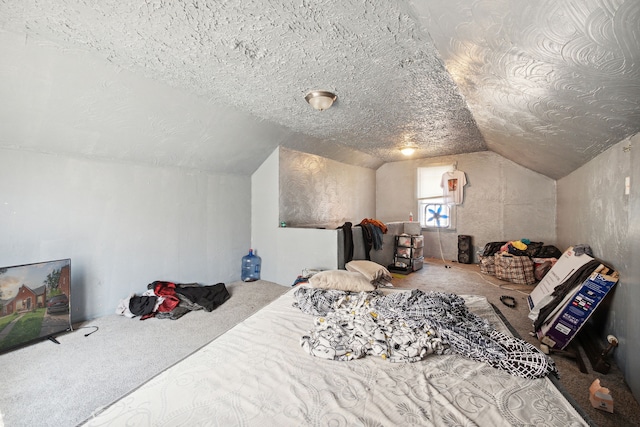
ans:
x=54 y=340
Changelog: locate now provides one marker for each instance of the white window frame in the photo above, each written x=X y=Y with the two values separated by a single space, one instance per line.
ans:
x=429 y=193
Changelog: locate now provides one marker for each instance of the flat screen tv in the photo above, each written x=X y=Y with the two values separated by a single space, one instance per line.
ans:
x=34 y=302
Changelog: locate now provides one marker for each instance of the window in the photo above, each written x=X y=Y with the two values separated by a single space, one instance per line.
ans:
x=437 y=215
x=433 y=212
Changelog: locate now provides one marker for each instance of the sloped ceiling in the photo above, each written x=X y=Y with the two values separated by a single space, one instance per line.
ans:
x=547 y=84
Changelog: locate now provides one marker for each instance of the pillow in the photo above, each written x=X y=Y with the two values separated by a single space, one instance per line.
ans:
x=341 y=280
x=374 y=272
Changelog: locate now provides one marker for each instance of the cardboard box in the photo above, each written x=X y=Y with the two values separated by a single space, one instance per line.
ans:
x=576 y=308
x=568 y=263
x=600 y=397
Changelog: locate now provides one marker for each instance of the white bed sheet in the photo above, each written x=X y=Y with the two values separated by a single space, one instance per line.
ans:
x=256 y=374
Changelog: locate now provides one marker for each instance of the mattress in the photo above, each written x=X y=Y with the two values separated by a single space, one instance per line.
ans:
x=256 y=374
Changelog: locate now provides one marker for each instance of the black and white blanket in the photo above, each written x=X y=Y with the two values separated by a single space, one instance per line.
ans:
x=407 y=326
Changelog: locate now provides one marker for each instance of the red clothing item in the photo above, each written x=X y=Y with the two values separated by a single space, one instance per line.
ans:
x=167 y=290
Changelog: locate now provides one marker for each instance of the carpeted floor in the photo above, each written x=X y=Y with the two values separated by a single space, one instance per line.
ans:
x=47 y=384
x=62 y=385
x=466 y=279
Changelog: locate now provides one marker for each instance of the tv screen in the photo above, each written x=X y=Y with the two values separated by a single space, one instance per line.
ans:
x=34 y=302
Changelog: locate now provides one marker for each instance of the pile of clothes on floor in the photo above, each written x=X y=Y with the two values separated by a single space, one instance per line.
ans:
x=167 y=300
x=518 y=261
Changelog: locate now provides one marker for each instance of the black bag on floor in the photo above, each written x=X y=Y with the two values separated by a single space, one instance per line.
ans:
x=549 y=251
x=491 y=248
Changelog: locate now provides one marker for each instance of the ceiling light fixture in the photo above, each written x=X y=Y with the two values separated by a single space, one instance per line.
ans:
x=320 y=99
x=408 y=150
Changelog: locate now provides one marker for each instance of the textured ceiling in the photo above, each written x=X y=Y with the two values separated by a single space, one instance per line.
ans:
x=551 y=84
x=548 y=85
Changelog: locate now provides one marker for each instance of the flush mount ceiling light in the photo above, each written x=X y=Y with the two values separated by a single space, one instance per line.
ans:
x=408 y=150
x=320 y=99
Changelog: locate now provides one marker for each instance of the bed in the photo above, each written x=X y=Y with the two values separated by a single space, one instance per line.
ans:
x=258 y=374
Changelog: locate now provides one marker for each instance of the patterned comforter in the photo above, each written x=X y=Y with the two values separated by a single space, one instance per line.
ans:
x=407 y=326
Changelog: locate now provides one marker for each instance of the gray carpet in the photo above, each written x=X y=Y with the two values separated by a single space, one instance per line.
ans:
x=466 y=279
x=62 y=385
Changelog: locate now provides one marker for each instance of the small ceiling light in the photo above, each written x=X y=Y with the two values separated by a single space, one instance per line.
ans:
x=408 y=150
x=320 y=99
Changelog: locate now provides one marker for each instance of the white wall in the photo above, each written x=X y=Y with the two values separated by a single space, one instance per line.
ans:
x=316 y=191
x=302 y=248
x=502 y=201
x=305 y=190
x=592 y=206
x=593 y=209
x=122 y=225
x=264 y=215
x=60 y=100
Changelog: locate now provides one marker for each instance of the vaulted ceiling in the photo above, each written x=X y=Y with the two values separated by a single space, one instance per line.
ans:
x=547 y=84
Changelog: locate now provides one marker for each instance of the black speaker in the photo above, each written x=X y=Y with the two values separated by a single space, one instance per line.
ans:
x=464 y=249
